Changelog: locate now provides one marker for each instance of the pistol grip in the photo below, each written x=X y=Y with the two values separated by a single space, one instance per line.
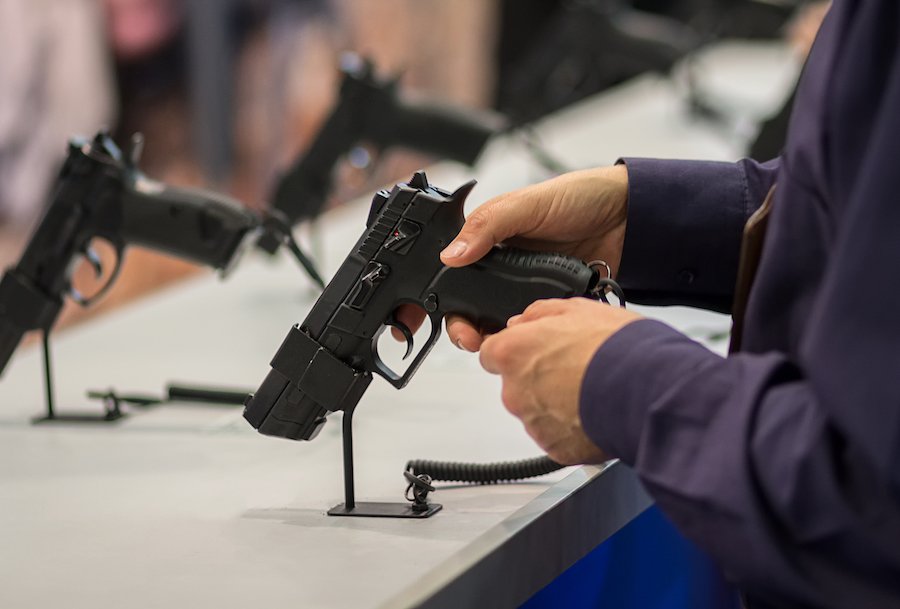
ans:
x=505 y=282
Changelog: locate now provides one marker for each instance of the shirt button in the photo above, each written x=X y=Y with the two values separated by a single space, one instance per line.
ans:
x=686 y=277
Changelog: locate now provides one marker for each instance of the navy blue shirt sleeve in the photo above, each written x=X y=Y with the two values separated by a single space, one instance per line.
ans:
x=784 y=463
x=685 y=221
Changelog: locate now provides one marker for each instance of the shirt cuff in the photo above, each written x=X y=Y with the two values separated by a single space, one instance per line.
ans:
x=630 y=372
x=683 y=234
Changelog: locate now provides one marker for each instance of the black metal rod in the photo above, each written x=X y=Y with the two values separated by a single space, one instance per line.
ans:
x=207 y=394
x=48 y=375
x=349 y=495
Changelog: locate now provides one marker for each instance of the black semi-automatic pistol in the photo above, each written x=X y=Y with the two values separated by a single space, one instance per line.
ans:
x=100 y=194
x=326 y=363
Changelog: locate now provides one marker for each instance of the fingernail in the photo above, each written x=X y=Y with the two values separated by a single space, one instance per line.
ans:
x=513 y=320
x=461 y=346
x=455 y=249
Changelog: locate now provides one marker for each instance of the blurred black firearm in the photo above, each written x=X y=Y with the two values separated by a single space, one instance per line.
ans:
x=372 y=110
x=586 y=47
x=326 y=363
x=100 y=194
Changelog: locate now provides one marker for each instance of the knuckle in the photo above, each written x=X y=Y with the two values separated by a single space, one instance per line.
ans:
x=535 y=307
x=499 y=353
x=538 y=434
x=502 y=353
x=479 y=220
x=511 y=400
x=543 y=307
x=487 y=356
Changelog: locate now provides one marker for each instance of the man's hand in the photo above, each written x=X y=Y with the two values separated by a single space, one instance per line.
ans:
x=542 y=357
x=580 y=214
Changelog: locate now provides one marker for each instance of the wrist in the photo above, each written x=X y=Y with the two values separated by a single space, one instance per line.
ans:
x=617 y=177
x=612 y=183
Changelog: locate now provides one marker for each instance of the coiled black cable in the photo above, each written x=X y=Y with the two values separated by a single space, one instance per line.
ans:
x=483 y=473
x=503 y=471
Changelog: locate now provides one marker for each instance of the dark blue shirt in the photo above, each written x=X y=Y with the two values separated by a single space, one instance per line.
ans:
x=783 y=460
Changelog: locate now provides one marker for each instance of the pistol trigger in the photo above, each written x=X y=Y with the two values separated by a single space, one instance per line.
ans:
x=405 y=331
x=92 y=257
x=94 y=260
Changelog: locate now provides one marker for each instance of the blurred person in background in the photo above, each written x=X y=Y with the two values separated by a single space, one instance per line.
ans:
x=55 y=80
x=147 y=48
x=139 y=28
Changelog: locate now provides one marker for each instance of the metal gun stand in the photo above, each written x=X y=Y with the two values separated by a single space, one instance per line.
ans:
x=350 y=507
x=27 y=307
x=333 y=385
x=112 y=411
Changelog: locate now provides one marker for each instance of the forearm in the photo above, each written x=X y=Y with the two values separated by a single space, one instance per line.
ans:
x=684 y=228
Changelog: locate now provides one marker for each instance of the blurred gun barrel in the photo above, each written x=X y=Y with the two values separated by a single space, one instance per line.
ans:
x=441 y=130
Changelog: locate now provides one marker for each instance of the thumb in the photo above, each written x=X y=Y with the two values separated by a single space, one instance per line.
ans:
x=492 y=223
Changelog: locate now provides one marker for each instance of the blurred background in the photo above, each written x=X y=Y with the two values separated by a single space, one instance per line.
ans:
x=228 y=93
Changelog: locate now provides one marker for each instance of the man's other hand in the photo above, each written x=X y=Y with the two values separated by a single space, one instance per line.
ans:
x=542 y=357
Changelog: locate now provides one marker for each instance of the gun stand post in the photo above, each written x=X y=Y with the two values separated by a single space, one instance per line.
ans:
x=350 y=507
x=111 y=413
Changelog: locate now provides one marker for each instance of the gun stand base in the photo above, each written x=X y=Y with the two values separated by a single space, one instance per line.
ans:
x=385 y=510
x=370 y=509
x=112 y=412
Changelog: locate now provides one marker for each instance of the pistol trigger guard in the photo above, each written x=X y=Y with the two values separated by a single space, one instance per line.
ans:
x=393 y=322
x=395 y=379
x=436 y=319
